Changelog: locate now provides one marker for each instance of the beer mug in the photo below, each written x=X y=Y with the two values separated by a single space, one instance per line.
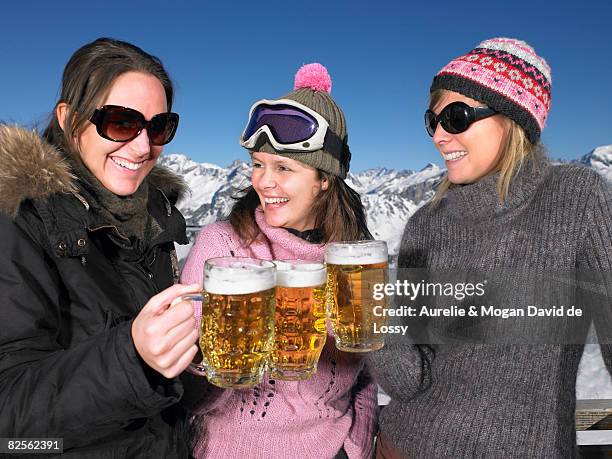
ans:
x=237 y=327
x=300 y=319
x=352 y=270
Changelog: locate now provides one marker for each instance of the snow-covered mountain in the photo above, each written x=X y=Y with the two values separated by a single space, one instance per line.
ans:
x=390 y=197
x=600 y=159
x=211 y=187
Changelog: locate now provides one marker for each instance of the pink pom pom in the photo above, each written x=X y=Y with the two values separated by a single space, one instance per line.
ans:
x=313 y=76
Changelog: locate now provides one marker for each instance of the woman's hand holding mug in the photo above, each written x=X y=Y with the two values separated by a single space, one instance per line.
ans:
x=164 y=332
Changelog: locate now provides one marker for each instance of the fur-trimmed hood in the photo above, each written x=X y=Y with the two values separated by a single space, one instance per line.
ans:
x=31 y=168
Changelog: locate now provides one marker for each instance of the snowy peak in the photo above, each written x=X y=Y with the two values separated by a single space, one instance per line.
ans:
x=599 y=157
x=431 y=167
x=389 y=196
x=184 y=164
x=370 y=180
x=211 y=187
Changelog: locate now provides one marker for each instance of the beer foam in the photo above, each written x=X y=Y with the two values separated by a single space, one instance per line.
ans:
x=357 y=253
x=238 y=279
x=300 y=275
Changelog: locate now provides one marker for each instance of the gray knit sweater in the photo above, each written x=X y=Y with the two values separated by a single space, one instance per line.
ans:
x=485 y=400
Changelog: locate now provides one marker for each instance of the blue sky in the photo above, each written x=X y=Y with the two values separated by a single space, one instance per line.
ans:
x=381 y=56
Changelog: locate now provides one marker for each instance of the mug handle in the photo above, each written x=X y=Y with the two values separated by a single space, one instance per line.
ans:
x=197 y=366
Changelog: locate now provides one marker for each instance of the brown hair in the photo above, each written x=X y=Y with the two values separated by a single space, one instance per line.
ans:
x=338 y=213
x=515 y=149
x=87 y=79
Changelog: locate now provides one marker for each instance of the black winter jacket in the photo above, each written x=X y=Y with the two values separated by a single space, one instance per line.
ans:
x=69 y=289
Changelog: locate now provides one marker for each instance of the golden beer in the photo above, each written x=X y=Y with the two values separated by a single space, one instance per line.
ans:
x=237 y=328
x=300 y=319
x=352 y=270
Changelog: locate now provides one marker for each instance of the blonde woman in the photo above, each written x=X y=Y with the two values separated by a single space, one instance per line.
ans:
x=502 y=205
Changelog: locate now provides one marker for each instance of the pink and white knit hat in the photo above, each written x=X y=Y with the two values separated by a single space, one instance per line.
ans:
x=508 y=76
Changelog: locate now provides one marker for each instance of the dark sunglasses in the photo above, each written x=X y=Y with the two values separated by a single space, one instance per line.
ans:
x=122 y=124
x=456 y=117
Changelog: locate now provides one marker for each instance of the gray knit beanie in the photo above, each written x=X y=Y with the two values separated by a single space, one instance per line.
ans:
x=312 y=88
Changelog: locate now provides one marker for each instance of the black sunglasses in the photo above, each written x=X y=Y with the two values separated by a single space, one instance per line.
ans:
x=122 y=124
x=456 y=117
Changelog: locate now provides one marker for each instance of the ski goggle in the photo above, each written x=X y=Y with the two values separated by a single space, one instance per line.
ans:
x=289 y=126
x=122 y=124
x=456 y=117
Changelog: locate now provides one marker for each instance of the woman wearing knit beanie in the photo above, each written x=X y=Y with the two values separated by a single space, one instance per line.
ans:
x=502 y=205
x=297 y=203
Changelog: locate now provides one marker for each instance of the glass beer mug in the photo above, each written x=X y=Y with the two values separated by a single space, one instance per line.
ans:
x=237 y=327
x=300 y=319
x=352 y=270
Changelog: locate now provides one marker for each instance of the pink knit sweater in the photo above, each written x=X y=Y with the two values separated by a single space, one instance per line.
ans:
x=281 y=419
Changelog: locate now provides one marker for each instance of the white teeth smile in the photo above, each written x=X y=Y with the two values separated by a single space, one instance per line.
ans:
x=127 y=164
x=454 y=155
x=275 y=200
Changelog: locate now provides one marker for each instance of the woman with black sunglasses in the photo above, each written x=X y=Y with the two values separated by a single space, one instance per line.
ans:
x=90 y=348
x=477 y=384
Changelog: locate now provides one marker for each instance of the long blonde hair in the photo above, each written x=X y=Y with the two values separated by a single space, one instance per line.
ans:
x=515 y=150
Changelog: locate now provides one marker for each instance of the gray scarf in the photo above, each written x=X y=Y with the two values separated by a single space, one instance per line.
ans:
x=128 y=214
